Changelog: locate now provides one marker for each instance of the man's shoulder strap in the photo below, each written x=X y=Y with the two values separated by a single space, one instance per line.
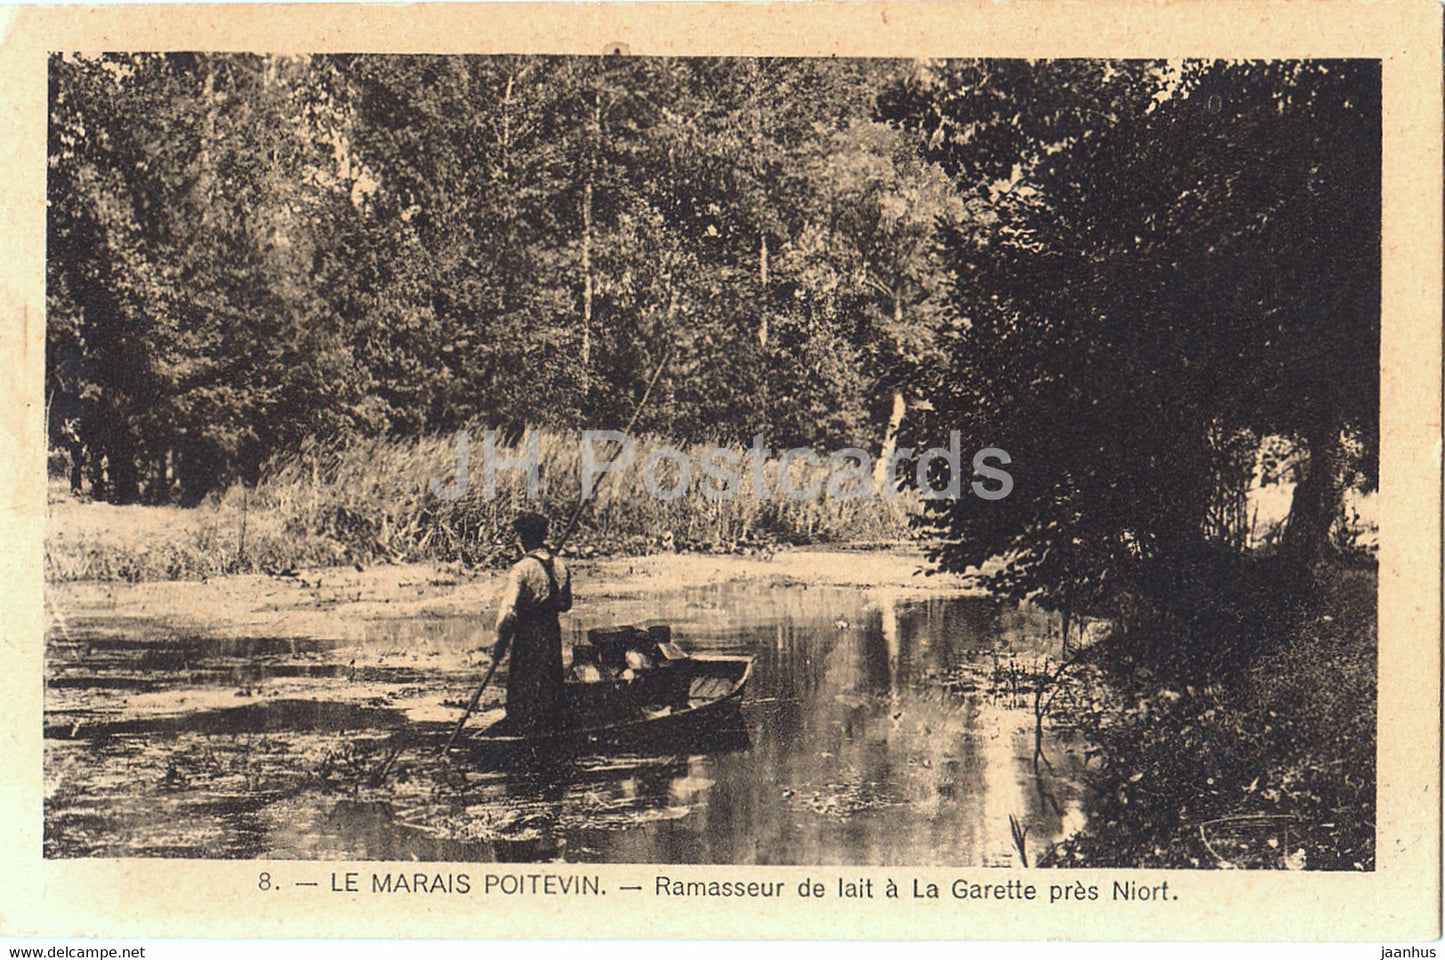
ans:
x=546 y=562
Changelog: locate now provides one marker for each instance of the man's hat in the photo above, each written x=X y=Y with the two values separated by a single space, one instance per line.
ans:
x=531 y=527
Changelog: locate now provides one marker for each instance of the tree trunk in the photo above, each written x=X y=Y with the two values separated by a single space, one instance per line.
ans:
x=1316 y=501
x=124 y=478
x=763 y=326
x=882 y=469
x=763 y=287
x=755 y=93
x=586 y=284
x=1065 y=622
x=895 y=416
x=77 y=465
x=507 y=193
x=205 y=161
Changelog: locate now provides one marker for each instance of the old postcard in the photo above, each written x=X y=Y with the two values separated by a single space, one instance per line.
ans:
x=871 y=470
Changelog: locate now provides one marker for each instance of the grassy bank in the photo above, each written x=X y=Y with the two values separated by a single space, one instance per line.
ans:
x=372 y=502
x=1272 y=766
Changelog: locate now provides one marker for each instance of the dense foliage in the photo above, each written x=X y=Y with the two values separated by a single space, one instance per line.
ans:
x=1132 y=276
x=1169 y=263
x=283 y=282
x=248 y=252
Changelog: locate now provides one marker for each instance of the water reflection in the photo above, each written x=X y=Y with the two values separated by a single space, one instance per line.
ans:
x=861 y=745
x=861 y=756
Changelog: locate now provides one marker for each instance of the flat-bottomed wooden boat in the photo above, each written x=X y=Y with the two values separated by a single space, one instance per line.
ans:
x=687 y=703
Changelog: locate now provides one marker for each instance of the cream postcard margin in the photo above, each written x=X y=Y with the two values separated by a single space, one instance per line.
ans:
x=1398 y=901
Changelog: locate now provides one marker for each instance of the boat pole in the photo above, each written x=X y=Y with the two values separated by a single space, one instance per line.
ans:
x=471 y=707
x=566 y=534
x=627 y=430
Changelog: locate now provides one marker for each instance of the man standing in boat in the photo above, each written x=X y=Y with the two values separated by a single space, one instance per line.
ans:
x=538 y=588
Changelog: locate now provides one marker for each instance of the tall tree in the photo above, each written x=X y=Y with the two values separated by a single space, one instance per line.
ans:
x=1121 y=302
x=179 y=264
x=886 y=210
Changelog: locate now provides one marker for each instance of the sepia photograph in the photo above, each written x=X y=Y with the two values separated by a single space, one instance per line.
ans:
x=712 y=460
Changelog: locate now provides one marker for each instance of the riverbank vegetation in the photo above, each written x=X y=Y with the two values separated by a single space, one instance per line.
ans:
x=1269 y=765
x=1183 y=290
x=251 y=254
x=279 y=286
x=374 y=502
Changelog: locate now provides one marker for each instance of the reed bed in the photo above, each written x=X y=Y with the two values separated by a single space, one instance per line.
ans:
x=373 y=501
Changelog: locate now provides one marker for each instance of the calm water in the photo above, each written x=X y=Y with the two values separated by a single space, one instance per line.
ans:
x=878 y=730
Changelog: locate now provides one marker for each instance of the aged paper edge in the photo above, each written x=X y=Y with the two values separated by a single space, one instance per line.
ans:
x=1398 y=901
